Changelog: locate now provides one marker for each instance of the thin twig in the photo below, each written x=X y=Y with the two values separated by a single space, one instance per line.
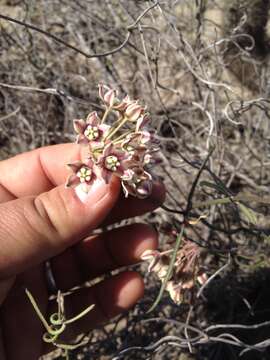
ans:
x=130 y=28
x=224 y=267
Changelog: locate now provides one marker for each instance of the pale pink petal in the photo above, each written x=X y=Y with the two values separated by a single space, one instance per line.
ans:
x=89 y=163
x=109 y=97
x=142 y=121
x=101 y=90
x=79 y=125
x=75 y=166
x=104 y=128
x=153 y=256
x=122 y=105
x=72 y=181
x=93 y=119
x=175 y=292
x=202 y=278
x=134 y=111
x=81 y=139
x=107 y=94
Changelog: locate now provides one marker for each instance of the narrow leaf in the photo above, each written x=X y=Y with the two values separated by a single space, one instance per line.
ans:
x=248 y=214
x=218 y=187
x=169 y=272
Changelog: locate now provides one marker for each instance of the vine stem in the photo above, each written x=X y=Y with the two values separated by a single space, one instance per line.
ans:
x=170 y=269
x=80 y=315
x=121 y=137
x=35 y=306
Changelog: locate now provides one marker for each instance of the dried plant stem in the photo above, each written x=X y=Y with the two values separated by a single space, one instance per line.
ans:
x=130 y=28
x=224 y=267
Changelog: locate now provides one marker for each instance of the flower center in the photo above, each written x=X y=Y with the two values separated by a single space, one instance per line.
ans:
x=92 y=132
x=112 y=163
x=84 y=174
x=130 y=149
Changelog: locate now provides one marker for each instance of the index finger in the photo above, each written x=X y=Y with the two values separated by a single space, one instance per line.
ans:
x=37 y=171
x=40 y=170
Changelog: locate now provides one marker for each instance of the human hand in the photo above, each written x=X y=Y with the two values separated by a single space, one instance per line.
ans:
x=39 y=220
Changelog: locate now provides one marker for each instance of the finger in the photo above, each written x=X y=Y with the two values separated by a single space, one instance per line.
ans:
x=22 y=330
x=33 y=229
x=110 y=297
x=5 y=286
x=129 y=207
x=44 y=168
x=2 y=347
x=99 y=254
x=5 y=195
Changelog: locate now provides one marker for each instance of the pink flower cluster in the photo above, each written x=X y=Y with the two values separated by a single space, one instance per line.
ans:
x=186 y=270
x=119 y=144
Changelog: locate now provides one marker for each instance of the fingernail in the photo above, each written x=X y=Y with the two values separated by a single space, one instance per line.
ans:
x=94 y=192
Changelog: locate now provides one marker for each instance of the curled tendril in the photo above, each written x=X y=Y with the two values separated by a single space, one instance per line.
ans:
x=55 y=319
x=58 y=323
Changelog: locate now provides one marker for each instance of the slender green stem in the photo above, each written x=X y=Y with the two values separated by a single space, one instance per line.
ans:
x=170 y=269
x=68 y=347
x=80 y=315
x=36 y=308
x=49 y=338
x=213 y=202
x=61 y=306
x=114 y=131
x=121 y=137
x=57 y=331
x=58 y=323
x=56 y=319
x=106 y=113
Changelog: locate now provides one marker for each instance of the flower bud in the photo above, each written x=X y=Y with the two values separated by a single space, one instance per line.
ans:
x=107 y=94
x=122 y=105
x=109 y=97
x=134 y=111
x=142 y=121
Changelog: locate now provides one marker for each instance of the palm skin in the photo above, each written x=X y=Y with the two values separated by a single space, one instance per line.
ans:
x=80 y=258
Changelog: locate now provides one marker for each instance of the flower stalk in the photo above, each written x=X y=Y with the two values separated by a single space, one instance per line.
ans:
x=179 y=272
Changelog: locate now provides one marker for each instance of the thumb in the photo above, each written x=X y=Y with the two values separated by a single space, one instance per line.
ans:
x=33 y=229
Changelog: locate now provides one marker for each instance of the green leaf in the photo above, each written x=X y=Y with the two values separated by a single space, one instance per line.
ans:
x=248 y=214
x=217 y=186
